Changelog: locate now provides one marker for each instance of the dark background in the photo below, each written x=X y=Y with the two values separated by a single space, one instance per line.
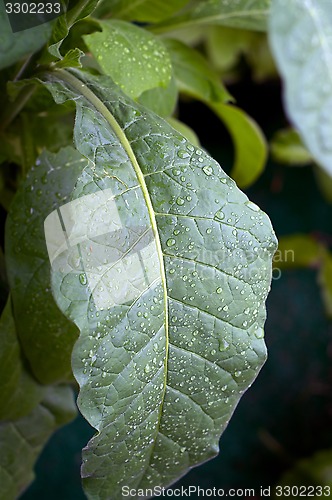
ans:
x=286 y=414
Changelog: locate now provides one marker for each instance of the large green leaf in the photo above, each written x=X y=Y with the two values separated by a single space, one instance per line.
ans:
x=19 y=392
x=301 y=39
x=47 y=337
x=22 y=440
x=141 y=10
x=14 y=46
x=135 y=59
x=248 y=14
x=169 y=295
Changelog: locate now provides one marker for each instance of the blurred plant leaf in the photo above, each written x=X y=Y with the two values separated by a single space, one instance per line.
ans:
x=186 y=131
x=19 y=392
x=287 y=147
x=298 y=250
x=196 y=79
x=47 y=337
x=14 y=46
x=313 y=471
x=21 y=441
x=224 y=45
x=152 y=349
x=325 y=281
x=301 y=39
x=160 y=100
x=248 y=14
x=135 y=59
x=324 y=181
x=141 y=10
x=249 y=144
x=193 y=74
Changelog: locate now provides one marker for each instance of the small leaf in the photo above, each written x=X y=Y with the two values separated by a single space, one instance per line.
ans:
x=142 y=10
x=301 y=39
x=287 y=147
x=19 y=392
x=171 y=317
x=248 y=14
x=81 y=9
x=249 y=143
x=135 y=59
x=21 y=441
x=193 y=74
x=14 y=46
x=47 y=337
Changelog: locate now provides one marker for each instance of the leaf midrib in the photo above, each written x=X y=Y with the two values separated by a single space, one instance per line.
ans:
x=84 y=90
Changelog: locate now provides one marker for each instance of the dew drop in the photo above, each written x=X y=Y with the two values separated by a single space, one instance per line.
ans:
x=223 y=345
x=170 y=242
x=183 y=154
x=179 y=201
x=83 y=279
x=208 y=170
x=220 y=215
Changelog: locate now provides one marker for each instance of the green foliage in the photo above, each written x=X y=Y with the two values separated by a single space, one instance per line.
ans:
x=248 y=14
x=125 y=52
x=22 y=440
x=287 y=148
x=315 y=471
x=46 y=336
x=14 y=46
x=301 y=39
x=134 y=243
x=169 y=303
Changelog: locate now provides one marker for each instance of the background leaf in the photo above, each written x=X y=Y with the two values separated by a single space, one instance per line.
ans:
x=47 y=337
x=325 y=281
x=141 y=10
x=298 y=250
x=14 y=46
x=160 y=100
x=78 y=10
x=19 y=392
x=287 y=147
x=193 y=74
x=165 y=354
x=135 y=59
x=301 y=39
x=249 y=144
x=22 y=440
x=248 y=14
